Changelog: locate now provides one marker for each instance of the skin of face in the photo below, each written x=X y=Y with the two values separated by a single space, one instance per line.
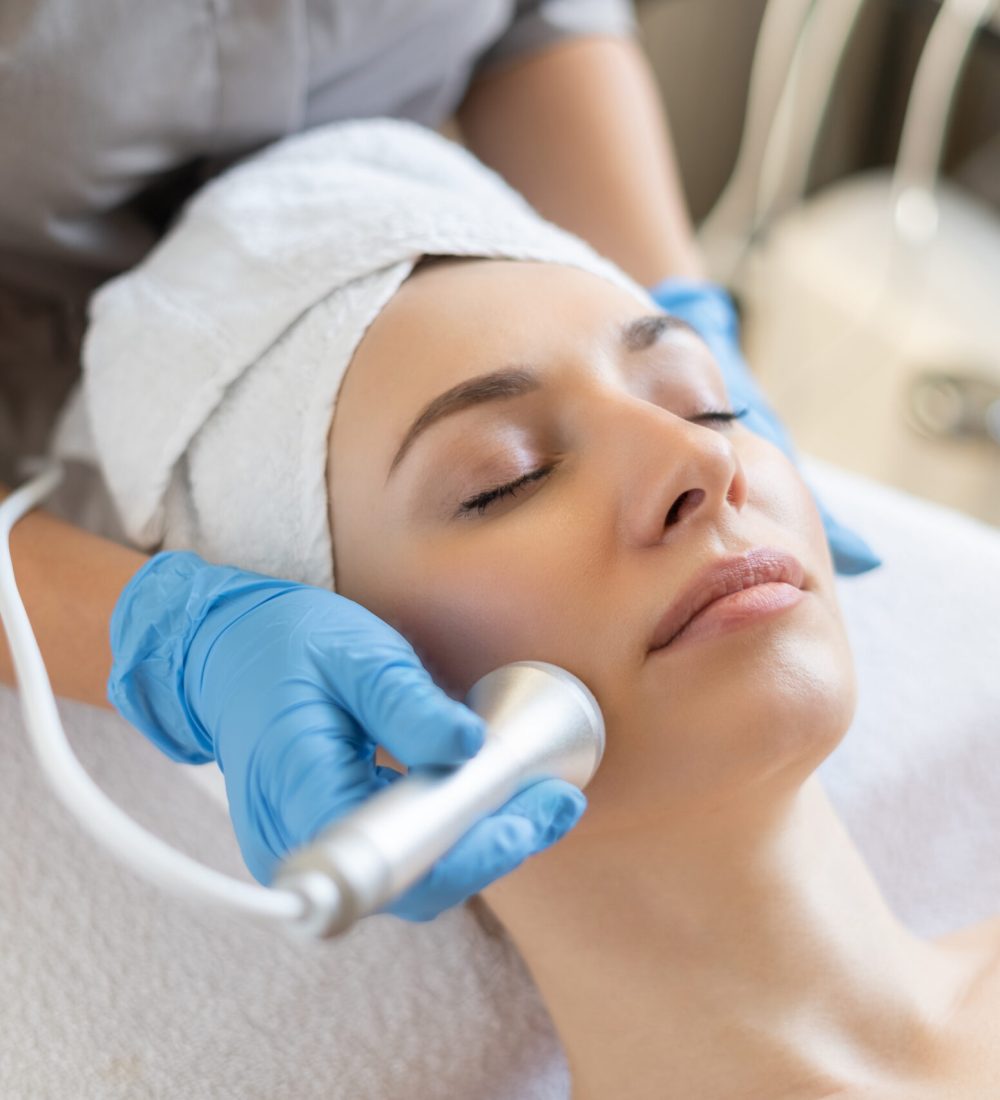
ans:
x=578 y=566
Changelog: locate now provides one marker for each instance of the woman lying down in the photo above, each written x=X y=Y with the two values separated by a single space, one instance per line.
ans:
x=506 y=452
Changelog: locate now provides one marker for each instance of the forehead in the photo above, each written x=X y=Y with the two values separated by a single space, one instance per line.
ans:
x=454 y=320
x=491 y=308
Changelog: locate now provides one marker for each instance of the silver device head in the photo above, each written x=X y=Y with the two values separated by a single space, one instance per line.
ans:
x=551 y=710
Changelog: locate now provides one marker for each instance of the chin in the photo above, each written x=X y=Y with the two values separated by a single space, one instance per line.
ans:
x=702 y=740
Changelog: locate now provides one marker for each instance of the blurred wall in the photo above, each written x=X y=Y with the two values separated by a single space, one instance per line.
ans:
x=701 y=51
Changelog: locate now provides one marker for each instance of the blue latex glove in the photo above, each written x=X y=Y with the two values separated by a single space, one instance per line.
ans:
x=289 y=687
x=710 y=310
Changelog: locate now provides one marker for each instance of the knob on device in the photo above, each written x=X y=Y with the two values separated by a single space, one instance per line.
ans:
x=541 y=722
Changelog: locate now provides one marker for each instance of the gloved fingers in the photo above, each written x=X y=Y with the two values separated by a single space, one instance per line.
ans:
x=529 y=823
x=850 y=553
x=390 y=775
x=378 y=678
x=420 y=725
x=490 y=850
x=552 y=805
x=306 y=774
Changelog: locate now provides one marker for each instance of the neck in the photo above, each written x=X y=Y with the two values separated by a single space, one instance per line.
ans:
x=751 y=945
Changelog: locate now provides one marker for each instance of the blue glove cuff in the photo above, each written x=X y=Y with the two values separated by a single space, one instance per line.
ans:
x=710 y=310
x=152 y=629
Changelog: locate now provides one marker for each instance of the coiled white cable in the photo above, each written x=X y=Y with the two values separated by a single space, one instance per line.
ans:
x=144 y=853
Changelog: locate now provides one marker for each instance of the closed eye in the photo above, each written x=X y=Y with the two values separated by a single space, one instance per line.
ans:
x=483 y=500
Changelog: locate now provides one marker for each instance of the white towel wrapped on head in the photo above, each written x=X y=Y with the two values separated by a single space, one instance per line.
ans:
x=211 y=370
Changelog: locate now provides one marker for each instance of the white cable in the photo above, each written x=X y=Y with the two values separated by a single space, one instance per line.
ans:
x=803 y=106
x=800 y=47
x=725 y=233
x=942 y=60
x=138 y=849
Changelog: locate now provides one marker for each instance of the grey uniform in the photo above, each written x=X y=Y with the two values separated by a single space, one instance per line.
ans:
x=113 y=111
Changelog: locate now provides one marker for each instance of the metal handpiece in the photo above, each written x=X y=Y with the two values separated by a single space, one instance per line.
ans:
x=541 y=722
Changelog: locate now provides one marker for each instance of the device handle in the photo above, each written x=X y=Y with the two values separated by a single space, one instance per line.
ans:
x=541 y=723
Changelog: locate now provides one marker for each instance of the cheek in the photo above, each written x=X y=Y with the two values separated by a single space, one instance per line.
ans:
x=467 y=612
x=474 y=615
x=534 y=586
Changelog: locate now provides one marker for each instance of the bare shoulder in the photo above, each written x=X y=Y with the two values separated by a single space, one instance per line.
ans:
x=979 y=946
x=975 y=1068
x=982 y=938
x=969 y=1064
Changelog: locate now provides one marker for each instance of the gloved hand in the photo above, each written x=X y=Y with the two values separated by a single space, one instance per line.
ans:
x=289 y=687
x=709 y=309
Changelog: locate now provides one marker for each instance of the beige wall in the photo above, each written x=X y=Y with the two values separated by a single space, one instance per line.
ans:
x=701 y=51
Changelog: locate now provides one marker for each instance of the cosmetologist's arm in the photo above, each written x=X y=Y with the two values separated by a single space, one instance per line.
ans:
x=578 y=128
x=70 y=581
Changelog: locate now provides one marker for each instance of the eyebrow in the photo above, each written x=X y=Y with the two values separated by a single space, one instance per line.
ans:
x=635 y=335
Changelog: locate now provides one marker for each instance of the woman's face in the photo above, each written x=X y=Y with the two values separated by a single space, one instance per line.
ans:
x=630 y=495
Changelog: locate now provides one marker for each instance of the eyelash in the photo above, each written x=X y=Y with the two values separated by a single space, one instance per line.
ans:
x=483 y=500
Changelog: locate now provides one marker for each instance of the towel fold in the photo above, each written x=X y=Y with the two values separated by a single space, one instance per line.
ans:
x=211 y=370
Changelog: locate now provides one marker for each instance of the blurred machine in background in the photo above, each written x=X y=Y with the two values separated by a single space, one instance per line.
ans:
x=865 y=251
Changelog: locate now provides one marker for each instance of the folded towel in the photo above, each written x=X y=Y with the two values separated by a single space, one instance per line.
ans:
x=211 y=370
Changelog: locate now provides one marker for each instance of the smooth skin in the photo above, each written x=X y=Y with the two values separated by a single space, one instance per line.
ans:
x=579 y=129
x=708 y=929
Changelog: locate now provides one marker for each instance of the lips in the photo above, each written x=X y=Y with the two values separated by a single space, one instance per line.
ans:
x=720 y=578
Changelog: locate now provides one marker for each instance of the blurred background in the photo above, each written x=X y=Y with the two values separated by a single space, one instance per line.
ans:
x=853 y=207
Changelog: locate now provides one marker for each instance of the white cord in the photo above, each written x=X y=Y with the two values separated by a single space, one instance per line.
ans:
x=925 y=127
x=802 y=108
x=138 y=849
x=799 y=50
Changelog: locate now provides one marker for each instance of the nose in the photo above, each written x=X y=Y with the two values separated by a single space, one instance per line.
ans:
x=674 y=473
